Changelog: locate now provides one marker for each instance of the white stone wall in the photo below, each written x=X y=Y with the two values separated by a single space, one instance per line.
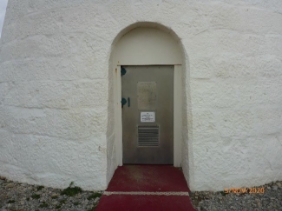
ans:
x=56 y=112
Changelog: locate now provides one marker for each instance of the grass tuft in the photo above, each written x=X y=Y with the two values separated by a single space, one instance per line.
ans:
x=44 y=204
x=94 y=195
x=11 y=201
x=62 y=201
x=40 y=187
x=58 y=206
x=35 y=196
x=71 y=191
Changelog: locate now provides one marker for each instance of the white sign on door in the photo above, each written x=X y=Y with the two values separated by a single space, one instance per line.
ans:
x=147 y=117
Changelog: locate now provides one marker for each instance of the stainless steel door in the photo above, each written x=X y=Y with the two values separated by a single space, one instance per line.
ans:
x=147 y=114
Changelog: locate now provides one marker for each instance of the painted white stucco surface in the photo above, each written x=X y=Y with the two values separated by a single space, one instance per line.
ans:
x=56 y=89
x=3 y=5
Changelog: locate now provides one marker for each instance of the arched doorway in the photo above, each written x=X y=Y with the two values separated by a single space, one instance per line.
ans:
x=145 y=45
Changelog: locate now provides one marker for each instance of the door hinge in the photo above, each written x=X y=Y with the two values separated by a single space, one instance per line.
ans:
x=123 y=71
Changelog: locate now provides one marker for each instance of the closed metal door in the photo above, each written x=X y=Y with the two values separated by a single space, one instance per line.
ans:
x=147 y=114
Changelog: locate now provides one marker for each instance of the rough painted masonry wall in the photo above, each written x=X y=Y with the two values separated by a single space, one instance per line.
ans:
x=56 y=113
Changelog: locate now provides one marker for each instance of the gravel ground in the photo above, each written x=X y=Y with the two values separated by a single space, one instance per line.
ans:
x=270 y=200
x=22 y=197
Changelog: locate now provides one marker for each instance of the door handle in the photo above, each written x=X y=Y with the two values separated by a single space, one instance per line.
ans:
x=128 y=100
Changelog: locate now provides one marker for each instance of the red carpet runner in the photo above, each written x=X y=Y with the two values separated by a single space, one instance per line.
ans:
x=148 y=188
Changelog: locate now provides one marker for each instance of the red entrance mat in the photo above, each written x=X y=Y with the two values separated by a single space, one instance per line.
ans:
x=131 y=184
x=146 y=203
x=148 y=178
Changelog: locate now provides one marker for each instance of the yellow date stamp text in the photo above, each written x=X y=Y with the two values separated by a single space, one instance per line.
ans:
x=244 y=190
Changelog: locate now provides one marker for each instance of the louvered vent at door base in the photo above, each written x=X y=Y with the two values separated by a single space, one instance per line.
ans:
x=148 y=136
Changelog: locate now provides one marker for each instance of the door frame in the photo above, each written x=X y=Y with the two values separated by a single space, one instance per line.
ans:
x=177 y=114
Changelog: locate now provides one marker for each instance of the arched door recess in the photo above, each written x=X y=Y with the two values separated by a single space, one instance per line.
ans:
x=145 y=44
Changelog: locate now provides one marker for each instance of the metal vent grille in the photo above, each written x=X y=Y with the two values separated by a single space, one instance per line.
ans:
x=148 y=136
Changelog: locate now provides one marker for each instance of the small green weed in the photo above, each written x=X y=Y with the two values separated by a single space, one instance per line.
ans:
x=35 y=196
x=11 y=201
x=40 y=187
x=62 y=201
x=94 y=195
x=223 y=193
x=76 y=203
x=58 y=206
x=44 y=204
x=71 y=191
